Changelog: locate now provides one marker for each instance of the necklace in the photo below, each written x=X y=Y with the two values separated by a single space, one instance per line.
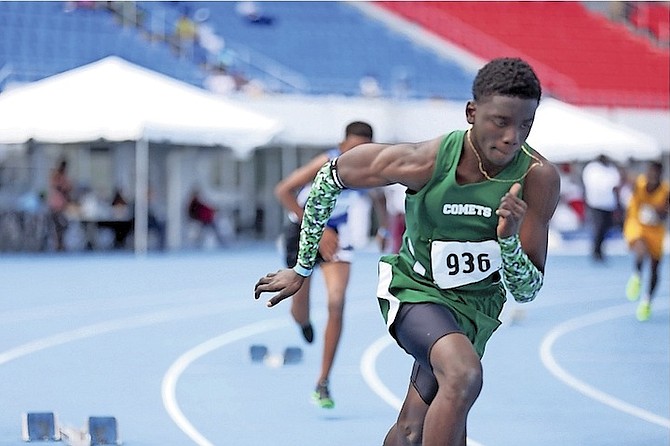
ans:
x=480 y=165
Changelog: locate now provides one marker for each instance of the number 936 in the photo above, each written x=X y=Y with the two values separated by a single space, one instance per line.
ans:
x=467 y=263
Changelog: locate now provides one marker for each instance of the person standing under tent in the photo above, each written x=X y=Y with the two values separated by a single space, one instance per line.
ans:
x=602 y=180
x=58 y=199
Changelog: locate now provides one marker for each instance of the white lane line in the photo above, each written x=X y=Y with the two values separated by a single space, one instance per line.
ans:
x=169 y=385
x=97 y=305
x=110 y=326
x=369 y=372
x=577 y=323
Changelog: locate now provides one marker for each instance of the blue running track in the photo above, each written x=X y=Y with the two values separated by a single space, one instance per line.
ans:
x=162 y=344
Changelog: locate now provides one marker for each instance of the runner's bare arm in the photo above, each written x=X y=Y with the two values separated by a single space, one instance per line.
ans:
x=524 y=252
x=374 y=165
x=287 y=189
x=541 y=194
x=365 y=166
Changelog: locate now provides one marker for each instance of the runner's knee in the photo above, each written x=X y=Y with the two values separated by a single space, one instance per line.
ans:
x=463 y=382
x=409 y=431
x=336 y=307
x=457 y=369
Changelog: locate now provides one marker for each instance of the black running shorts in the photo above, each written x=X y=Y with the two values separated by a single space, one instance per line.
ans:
x=417 y=327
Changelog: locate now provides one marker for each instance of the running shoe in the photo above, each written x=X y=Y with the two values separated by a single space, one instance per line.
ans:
x=321 y=396
x=308 y=332
x=643 y=311
x=633 y=288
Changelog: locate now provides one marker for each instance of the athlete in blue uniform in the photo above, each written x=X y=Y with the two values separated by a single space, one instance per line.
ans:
x=335 y=252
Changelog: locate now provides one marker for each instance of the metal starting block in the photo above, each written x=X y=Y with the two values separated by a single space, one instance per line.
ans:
x=258 y=352
x=261 y=354
x=40 y=426
x=292 y=355
x=103 y=431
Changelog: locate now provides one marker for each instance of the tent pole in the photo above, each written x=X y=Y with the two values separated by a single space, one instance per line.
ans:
x=141 y=195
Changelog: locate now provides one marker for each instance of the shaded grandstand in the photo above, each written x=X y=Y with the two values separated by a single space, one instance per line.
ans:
x=39 y=39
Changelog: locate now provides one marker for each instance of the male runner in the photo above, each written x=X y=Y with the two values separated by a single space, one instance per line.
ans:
x=335 y=252
x=644 y=230
x=478 y=208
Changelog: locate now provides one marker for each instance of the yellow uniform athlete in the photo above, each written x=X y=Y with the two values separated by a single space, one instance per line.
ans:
x=644 y=230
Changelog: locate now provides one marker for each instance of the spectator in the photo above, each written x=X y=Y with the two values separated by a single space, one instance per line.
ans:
x=602 y=180
x=220 y=82
x=58 y=199
x=155 y=224
x=369 y=86
x=185 y=35
x=253 y=13
x=207 y=39
x=571 y=191
x=119 y=205
x=205 y=215
x=121 y=219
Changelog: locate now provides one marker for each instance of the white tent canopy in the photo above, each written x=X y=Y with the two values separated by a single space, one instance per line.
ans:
x=563 y=132
x=114 y=100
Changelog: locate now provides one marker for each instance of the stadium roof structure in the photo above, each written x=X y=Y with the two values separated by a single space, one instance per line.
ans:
x=114 y=100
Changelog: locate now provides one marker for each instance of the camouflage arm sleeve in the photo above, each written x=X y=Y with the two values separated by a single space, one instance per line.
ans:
x=320 y=204
x=521 y=277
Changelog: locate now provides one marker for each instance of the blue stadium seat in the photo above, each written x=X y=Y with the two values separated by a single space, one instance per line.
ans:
x=327 y=46
x=39 y=39
x=332 y=45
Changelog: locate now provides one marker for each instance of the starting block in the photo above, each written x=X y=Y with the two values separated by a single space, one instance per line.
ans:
x=40 y=426
x=292 y=355
x=260 y=353
x=103 y=431
x=43 y=426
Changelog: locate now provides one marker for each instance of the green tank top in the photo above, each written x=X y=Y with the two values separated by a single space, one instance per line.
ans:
x=450 y=254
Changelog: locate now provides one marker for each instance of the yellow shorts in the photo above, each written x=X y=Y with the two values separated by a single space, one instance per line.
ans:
x=652 y=236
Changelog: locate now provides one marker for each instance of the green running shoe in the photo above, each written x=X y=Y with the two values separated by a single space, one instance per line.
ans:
x=321 y=396
x=643 y=311
x=633 y=288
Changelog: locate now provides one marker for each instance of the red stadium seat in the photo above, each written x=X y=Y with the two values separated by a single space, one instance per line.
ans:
x=580 y=56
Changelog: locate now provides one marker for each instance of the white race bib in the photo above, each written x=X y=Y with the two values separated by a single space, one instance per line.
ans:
x=458 y=263
x=648 y=215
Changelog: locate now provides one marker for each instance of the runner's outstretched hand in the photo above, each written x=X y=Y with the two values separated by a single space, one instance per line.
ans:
x=510 y=213
x=285 y=282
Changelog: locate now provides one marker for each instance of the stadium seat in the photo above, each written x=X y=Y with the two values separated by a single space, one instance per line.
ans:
x=575 y=51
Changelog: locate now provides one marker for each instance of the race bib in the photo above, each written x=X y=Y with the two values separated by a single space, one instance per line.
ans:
x=648 y=215
x=459 y=263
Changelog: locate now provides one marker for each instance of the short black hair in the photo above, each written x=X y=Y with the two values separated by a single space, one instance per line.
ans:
x=359 y=128
x=507 y=76
x=656 y=164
